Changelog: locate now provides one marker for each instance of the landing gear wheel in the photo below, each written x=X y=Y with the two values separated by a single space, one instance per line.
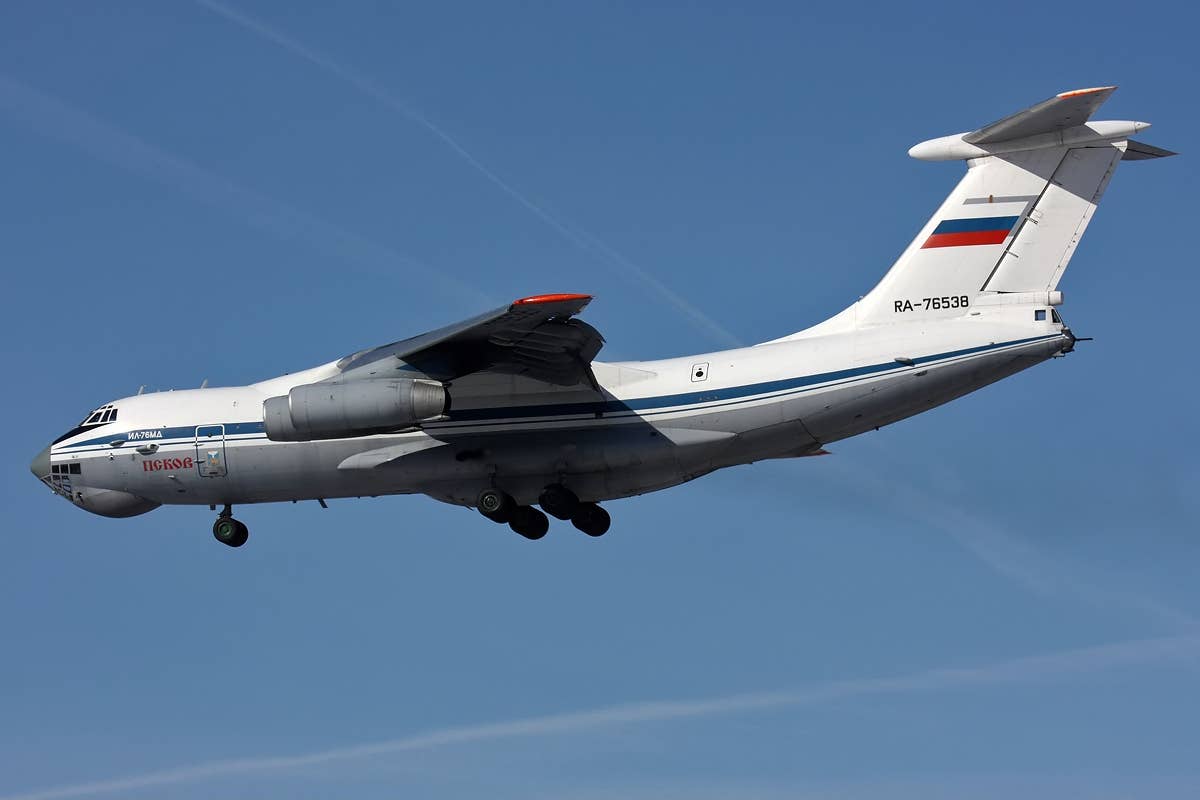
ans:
x=591 y=519
x=558 y=501
x=529 y=522
x=495 y=505
x=230 y=531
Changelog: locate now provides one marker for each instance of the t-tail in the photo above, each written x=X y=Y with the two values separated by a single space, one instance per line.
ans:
x=1010 y=227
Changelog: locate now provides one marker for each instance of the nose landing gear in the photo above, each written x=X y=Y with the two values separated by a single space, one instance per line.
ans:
x=229 y=531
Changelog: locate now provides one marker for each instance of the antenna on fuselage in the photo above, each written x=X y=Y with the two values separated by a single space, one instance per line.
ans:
x=141 y=389
x=204 y=383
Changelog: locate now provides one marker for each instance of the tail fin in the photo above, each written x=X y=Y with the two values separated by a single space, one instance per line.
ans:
x=1013 y=222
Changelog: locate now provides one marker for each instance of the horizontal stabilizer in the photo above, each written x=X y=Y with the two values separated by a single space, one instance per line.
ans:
x=1140 y=151
x=1065 y=110
x=1061 y=121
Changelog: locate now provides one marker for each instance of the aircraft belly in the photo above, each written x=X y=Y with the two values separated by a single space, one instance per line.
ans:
x=590 y=461
x=262 y=471
x=848 y=411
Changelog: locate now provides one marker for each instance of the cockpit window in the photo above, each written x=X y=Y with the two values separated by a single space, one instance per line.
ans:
x=100 y=416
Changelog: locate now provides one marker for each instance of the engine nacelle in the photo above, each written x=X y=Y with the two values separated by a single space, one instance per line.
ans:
x=355 y=408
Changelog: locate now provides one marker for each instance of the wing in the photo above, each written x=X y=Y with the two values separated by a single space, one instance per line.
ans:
x=535 y=336
x=1060 y=112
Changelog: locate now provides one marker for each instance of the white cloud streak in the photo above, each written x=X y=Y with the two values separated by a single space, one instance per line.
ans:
x=54 y=118
x=1013 y=671
x=568 y=230
x=1004 y=553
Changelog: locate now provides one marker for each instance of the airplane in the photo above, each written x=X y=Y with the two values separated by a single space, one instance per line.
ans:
x=508 y=411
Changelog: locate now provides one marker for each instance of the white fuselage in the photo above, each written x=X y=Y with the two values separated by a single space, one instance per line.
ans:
x=660 y=423
x=509 y=408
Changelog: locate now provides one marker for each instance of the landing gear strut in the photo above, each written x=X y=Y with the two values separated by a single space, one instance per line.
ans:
x=228 y=530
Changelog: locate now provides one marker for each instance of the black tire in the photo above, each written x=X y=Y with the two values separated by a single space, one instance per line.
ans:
x=558 y=501
x=591 y=519
x=495 y=504
x=229 y=531
x=529 y=522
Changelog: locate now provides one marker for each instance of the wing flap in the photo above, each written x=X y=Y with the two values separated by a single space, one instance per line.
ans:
x=535 y=336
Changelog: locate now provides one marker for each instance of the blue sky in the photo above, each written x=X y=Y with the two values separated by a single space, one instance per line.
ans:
x=995 y=598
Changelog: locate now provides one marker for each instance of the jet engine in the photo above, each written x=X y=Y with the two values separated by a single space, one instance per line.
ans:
x=354 y=408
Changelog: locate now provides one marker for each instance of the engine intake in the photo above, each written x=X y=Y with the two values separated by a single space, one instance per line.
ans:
x=355 y=408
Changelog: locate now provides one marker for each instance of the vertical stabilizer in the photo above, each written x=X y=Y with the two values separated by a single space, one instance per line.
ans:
x=1013 y=222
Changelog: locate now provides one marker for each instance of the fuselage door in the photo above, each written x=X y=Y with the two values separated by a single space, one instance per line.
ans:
x=210 y=451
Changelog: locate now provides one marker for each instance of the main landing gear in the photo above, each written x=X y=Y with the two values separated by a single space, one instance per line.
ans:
x=557 y=501
x=228 y=530
x=591 y=519
x=498 y=506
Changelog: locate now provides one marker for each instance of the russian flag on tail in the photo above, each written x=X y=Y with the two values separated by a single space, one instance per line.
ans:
x=978 y=230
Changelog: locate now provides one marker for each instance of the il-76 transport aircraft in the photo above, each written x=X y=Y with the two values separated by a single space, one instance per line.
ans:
x=508 y=411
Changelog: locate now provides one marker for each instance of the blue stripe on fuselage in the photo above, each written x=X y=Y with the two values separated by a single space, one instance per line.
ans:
x=711 y=397
x=180 y=432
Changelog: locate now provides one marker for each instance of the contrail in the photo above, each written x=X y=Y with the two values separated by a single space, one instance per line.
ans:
x=570 y=231
x=102 y=140
x=1005 y=554
x=1018 y=670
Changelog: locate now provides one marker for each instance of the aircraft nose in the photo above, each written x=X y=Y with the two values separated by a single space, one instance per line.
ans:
x=40 y=466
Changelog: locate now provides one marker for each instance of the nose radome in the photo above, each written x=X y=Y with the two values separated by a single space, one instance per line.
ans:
x=40 y=466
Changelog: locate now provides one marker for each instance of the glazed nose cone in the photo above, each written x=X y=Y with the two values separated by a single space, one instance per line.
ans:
x=40 y=466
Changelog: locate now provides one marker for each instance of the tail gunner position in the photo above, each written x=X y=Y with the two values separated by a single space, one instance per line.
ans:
x=508 y=411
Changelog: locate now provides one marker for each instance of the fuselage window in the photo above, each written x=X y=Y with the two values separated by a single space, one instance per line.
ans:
x=1054 y=316
x=74 y=468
